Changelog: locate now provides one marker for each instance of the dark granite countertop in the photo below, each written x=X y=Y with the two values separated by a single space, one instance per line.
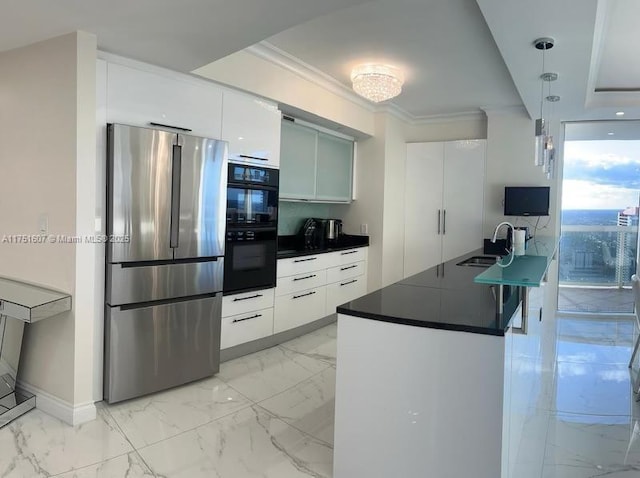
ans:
x=443 y=297
x=291 y=246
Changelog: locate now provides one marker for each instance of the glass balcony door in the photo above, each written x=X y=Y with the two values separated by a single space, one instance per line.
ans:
x=599 y=246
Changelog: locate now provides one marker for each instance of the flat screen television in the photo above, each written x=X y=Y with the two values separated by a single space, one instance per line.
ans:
x=526 y=201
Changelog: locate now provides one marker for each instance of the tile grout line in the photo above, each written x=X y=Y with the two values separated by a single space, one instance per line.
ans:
x=135 y=449
x=307 y=434
x=326 y=364
x=293 y=386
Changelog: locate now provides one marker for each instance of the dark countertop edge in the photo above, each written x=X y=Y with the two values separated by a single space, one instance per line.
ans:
x=425 y=324
x=311 y=252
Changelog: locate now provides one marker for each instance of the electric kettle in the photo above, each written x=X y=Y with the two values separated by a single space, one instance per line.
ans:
x=333 y=229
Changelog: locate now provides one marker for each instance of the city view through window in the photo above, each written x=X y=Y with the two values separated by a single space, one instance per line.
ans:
x=598 y=250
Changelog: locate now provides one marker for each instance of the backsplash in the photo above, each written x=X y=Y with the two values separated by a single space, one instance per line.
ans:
x=291 y=215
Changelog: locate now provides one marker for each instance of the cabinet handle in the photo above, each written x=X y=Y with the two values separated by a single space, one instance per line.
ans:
x=438 y=221
x=247 y=298
x=350 y=282
x=304 y=295
x=252 y=157
x=540 y=315
x=170 y=127
x=444 y=222
x=345 y=253
x=246 y=318
x=348 y=267
x=305 y=277
x=306 y=260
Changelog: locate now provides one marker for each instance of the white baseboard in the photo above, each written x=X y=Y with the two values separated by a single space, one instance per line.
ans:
x=61 y=409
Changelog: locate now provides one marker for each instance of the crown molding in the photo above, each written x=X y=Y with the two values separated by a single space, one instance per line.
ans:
x=450 y=117
x=275 y=55
x=503 y=110
x=271 y=53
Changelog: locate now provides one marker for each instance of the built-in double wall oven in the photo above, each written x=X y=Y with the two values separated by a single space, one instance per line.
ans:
x=252 y=228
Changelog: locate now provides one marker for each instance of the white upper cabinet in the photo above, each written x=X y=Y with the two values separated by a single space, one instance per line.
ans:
x=252 y=128
x=315 y=166
x=139 y=98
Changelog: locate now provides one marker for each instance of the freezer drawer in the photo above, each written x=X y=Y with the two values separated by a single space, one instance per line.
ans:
x=149 y=349
x=131 y=284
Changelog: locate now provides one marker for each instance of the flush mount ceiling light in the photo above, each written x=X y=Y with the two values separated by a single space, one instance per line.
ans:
x=377 y=82
x=467 y=144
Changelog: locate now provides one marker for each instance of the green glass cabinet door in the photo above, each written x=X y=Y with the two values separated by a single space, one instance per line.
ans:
x=334 y=168
x=297 y=162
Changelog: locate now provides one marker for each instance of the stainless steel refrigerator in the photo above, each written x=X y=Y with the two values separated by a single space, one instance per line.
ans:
x=166 y=205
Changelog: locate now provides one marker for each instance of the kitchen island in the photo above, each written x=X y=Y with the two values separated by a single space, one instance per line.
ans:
x=426 y=380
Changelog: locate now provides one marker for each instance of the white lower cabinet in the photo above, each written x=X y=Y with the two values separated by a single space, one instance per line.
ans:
x=344 y=291
x=246 y=316
x=346 y=271
x=303 y=281
x=329 y=279
x=247 y=301
x=309 y=288
x=299 y=308
x=241 y=328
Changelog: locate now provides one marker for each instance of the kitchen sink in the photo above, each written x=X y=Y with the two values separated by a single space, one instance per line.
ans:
x=479 y=261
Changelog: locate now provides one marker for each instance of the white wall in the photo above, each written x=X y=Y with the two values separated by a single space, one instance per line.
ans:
x=510 y=162
x=47 y=119
x=368 y=207
x=86 y=294
x=380 y=199
x=395 y=153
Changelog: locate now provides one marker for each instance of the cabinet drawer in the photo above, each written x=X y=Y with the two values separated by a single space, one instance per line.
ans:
x=340 y=273
x=299 y=308
x=344 y=291
x=241 y=328
x=302 y=264
x=247 y=302
x=347 y=256
x=298 y=282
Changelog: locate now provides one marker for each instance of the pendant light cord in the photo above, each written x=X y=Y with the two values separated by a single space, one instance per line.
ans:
x=542 y=85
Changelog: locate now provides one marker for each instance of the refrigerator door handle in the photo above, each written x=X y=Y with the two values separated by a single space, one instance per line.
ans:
x=175 y=195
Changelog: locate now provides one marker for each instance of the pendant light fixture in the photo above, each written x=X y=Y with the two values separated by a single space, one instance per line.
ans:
x=550 y=150
x=548 y=139
x=542 y=44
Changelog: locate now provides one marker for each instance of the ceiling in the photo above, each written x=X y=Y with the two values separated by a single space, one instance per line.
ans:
x=444 y=48
x=459 y=56
x=181 y=35
x=596 y=43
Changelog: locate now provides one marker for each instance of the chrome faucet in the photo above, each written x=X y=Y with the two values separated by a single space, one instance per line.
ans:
x=495 y=232
x=513 y=238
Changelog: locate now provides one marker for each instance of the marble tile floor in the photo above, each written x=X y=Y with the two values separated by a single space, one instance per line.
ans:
x=591 y=426
x=270 y=414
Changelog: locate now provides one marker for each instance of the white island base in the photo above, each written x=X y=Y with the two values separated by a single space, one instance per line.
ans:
x=420 y=402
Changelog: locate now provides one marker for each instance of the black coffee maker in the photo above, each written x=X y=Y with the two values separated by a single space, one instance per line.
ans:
x=309 y=234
